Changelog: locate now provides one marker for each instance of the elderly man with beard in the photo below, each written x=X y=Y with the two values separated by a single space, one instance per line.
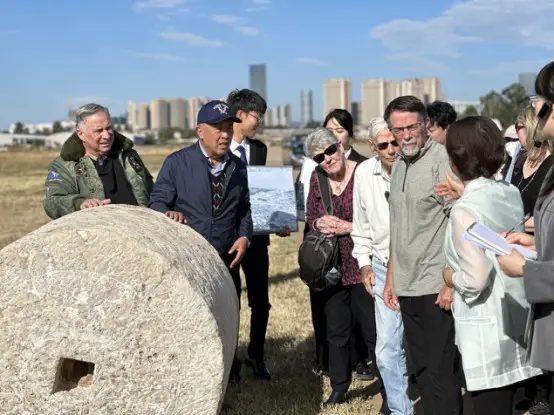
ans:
x=96 y=166
x=371 y=236
x=415 y=285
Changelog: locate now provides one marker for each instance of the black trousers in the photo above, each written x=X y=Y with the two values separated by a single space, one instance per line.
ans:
x=435 y=361
x=235 y=275
x=499 y=401
x=255 y=266
x=358 y=347
x=343 y=307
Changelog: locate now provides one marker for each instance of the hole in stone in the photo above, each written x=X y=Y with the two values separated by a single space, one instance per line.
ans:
x=71 y=374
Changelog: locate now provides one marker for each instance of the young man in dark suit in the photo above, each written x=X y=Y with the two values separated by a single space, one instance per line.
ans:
x=206 y=187
x=249 y=107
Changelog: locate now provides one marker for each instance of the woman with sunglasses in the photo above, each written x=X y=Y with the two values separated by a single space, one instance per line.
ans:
x=348 y=301
x=538 y=275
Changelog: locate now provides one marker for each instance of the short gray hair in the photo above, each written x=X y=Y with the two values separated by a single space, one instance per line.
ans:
x=319 y=139
x=376 y=126
x=86 y=111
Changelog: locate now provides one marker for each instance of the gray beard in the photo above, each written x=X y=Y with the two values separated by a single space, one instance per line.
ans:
x=412 y=152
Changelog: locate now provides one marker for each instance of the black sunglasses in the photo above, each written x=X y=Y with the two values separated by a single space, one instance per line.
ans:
x=329 y=151
x=383 y=146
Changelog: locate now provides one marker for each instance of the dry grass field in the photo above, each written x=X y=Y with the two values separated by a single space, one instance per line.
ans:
x=290 y=345
x=293 y=389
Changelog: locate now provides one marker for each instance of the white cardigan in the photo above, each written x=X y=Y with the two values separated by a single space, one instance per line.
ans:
x=370 y=225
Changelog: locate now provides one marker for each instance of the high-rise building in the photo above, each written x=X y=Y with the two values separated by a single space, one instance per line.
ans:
x=527 y=81
x=284 y=114
x=143 y=117
x=306 y=107
x=159 y=114
x=431 y=90
x=376 y=95
x=356 y=113
x=178 y=113
x=194 y=106
x=131 y=114
x=337 y=94
x=258 y=79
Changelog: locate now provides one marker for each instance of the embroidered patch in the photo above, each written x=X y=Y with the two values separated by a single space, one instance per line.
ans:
x=134 y=163
x=52 y=175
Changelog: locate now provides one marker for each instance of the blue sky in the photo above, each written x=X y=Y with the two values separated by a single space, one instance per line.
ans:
x=62 y=53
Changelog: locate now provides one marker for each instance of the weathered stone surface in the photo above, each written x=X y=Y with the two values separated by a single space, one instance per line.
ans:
x=145 y=300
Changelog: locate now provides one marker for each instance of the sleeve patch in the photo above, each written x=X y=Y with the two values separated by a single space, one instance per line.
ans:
x=52 y=175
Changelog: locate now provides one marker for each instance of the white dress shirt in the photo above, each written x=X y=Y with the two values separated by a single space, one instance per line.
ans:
x=245 y=144
x=370 y=225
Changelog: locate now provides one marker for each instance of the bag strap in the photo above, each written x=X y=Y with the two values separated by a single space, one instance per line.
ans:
x=325 y=190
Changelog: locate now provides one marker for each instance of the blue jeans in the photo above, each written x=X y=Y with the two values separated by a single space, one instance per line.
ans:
x=389 y=350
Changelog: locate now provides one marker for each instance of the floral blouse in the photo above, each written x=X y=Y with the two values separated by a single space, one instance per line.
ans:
x=342 y=209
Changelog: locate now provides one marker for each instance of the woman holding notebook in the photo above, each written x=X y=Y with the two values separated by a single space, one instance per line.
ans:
x=490 y=309
x=538 y=275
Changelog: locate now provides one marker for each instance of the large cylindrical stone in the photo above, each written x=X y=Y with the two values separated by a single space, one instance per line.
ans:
x=115 y=310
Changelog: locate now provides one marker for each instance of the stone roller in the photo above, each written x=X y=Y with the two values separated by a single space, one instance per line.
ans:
x=115 y=310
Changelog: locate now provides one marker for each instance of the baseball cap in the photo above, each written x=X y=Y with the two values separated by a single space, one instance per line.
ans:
x=214 y=112
x=511 y=132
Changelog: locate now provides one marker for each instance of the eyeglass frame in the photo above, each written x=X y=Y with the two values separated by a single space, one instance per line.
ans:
x=411 y=128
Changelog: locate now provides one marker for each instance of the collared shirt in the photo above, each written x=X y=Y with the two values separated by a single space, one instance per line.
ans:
x=245 y=144
x=347 y=154
x=370 y=225
x=216 y=171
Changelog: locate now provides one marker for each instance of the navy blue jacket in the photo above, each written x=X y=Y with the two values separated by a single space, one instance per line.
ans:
x=183 y=185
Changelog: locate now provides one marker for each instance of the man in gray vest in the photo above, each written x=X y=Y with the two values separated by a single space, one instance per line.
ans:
x=415 y=284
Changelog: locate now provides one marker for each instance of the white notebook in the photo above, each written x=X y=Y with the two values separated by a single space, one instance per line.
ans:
x=484 y=237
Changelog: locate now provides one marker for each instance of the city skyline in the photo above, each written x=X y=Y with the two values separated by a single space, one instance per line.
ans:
x=150 y=48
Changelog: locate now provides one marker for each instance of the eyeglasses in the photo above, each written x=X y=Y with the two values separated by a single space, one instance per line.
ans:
x=259 y=118
x=329 y=151
x=385 y=145
x=411 y=128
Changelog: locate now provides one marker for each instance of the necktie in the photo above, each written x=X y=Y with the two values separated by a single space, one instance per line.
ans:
x=242 y=152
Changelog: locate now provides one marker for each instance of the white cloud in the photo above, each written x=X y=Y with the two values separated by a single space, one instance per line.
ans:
x=473 y=21
x=237 y=23
x=247 y=30
x=262 y=1
x=157 y=4
x=192 y=39
x=156 y=56
x=312 y=61
x=227 y=19
x=256 y=9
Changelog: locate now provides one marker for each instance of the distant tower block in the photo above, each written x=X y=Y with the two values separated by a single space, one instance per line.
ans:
x=115 y=310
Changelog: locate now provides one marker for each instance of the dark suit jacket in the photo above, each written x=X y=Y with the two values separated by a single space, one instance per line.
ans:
x=258 y=157
x=355 y=156
x=184 y=185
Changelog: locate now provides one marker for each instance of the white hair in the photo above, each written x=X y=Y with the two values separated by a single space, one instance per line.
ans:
x=319 y=139
x=86 y=111
x=377 y=126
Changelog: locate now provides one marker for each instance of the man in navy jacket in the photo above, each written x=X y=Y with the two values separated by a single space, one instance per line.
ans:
x=206 y=187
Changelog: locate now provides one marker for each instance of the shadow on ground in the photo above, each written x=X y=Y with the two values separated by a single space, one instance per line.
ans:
x=294 y=389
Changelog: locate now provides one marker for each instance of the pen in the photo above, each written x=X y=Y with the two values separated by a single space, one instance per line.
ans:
x=525 y=219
